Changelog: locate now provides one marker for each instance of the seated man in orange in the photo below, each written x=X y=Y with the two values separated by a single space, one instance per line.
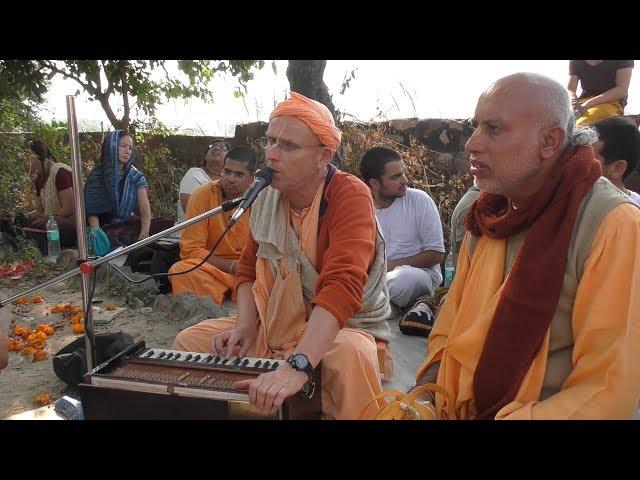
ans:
x=215 y=277
x=542 y=320
x=311 y=279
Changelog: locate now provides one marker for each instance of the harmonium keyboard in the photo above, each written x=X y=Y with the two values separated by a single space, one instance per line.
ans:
x=158 y=383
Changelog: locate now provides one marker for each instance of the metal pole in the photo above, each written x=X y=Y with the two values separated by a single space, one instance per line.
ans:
x=81 y=229
x=157 y=236
x=64 y=276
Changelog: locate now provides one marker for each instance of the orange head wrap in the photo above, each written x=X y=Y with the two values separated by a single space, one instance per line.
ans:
x=314 y=114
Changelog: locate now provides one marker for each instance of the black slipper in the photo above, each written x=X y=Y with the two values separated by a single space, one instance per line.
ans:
x=418 y=321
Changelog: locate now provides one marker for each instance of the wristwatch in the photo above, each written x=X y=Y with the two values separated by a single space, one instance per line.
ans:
x=301 y=363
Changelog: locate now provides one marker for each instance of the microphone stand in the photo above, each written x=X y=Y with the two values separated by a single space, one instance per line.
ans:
x=86 y=265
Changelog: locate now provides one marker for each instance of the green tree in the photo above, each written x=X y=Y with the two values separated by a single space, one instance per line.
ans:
x=23 y=81
x=141 y=84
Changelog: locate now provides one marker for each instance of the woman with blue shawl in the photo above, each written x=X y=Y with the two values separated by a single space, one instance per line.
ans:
x=114 y=189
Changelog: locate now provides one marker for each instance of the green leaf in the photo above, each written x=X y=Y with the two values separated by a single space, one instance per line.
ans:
x=27 y=81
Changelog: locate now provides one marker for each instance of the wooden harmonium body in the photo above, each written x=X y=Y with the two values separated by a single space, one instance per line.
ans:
x=158 y=383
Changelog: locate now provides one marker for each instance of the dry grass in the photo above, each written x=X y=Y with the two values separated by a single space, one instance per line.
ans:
x=427 y=169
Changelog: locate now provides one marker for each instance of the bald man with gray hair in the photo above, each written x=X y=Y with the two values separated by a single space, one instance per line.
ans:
x=542 y=320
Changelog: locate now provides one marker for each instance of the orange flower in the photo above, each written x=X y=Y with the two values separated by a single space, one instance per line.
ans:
x=39 y=355
x=37 y=299
x=45 y=328
x=77 y=318
x=77 y=328
x=111 y=306
x=43 y=399
x=15 y=345
x=36 y=339
x=22 y=331
x=21 y=301
x=27 y=351
x=64 y=308
x=76 y=309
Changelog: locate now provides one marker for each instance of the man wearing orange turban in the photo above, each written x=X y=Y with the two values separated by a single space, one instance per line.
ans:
x=310 y=281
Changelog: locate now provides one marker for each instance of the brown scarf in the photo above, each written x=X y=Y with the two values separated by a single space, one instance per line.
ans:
x=530 y=297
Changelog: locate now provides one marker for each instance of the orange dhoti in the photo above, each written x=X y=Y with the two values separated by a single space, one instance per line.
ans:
x=349 y=370
x=198 y=239
x=204 y=280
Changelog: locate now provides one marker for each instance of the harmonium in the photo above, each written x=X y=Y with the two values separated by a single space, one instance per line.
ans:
x=157 y=383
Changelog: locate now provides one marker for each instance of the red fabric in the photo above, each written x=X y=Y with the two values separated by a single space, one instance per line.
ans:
x=15 y=270
x=64 y=180
x=529 y=299
x=345 y=251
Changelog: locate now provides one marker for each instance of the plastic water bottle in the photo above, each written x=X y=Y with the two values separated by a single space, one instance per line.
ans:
x=449 y=269
x=53 y=239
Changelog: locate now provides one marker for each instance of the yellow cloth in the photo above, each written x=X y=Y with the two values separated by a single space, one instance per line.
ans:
x=197 y=240
x=605 y=380
x=600 y=112
x=317 y=117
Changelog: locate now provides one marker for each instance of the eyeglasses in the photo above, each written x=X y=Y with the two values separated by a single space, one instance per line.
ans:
x=227 y=173
x=284 y=145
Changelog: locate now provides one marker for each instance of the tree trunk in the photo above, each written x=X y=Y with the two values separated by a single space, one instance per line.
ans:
x=305 y=77
x=104 y=102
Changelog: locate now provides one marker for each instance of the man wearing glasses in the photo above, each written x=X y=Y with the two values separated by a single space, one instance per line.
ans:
x=215 y=277
x=310 y=282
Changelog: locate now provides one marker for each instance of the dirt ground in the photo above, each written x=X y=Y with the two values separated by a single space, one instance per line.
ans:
x=24 y=379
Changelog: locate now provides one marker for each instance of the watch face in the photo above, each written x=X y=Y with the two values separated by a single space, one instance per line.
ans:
x=300 y=361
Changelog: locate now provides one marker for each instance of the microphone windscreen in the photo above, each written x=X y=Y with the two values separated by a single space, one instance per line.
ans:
x=266 y=173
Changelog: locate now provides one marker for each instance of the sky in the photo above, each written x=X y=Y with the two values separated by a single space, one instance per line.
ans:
x=381 y=90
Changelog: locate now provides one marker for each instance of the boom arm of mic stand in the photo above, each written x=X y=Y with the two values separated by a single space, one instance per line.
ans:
x=89 y=266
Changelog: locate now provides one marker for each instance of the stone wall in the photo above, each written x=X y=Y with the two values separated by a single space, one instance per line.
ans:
x=445 y=138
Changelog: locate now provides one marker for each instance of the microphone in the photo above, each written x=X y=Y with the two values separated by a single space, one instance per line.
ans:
x=261 y=179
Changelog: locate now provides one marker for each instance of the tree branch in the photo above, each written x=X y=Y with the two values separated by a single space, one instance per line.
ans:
x=104 y=101
x=110 y=86
x=125 y=101
x=86 y=86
